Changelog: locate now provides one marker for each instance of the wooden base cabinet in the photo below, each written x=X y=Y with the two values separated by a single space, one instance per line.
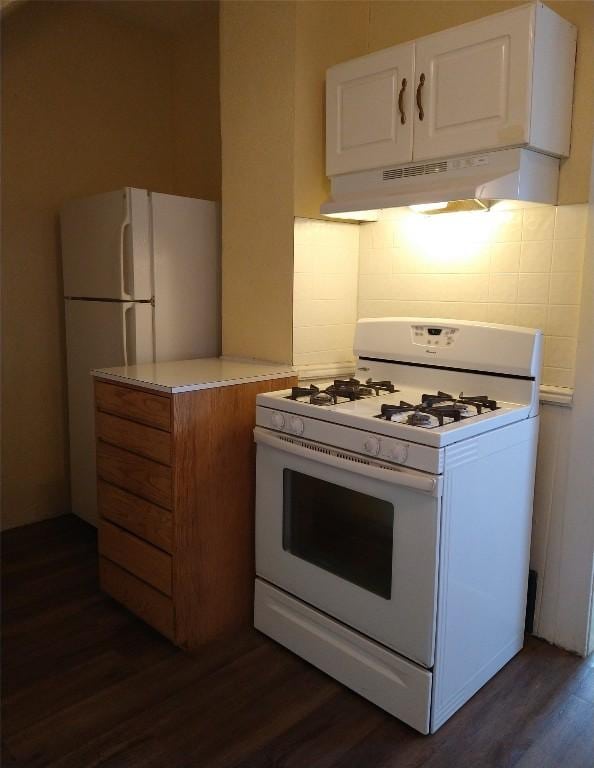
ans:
x=176 y=483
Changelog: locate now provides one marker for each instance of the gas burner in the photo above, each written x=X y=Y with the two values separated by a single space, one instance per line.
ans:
x=342 y=390
x=346 y=388
x=321 y=398
x=354 y=390
x=463 y=403
x=380 y=386
x=436 y=410
x=298 y=392
x=442 y=412
x=346 y=383
x=391 y=412
x=418 y=419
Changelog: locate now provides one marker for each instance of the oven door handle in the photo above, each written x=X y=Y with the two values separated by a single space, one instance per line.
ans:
x=361 y=466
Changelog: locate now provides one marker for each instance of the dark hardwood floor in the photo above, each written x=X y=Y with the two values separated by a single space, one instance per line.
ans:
x=86 y=684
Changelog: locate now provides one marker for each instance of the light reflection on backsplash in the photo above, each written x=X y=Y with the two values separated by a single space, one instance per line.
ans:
x=520 y=267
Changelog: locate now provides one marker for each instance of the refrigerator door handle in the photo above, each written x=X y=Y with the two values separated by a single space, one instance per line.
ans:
x=129 y=332
x=126 y=261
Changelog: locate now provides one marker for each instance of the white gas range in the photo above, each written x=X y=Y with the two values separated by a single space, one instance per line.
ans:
x=393 y=512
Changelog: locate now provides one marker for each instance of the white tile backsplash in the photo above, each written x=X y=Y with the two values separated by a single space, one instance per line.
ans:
x=538 y=223
x=562 y=320
x=531 y=315
x=570 y=222
x=326 y=257
x=503 y=287
x=533 y=288
x=568 y=255
x=501 y=313
x=519 y=267
x=565 y=288
x=535 y=256
x=504 y=226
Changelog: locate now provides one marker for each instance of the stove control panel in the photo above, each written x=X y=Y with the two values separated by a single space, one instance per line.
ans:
x=286 y=422
x=397 y=452
x=433 y=335
x=385 y=448
x=371 y=445
x=296 y=425
x=277 y=419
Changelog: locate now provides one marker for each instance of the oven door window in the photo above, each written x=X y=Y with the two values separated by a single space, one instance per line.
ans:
x=340 y=530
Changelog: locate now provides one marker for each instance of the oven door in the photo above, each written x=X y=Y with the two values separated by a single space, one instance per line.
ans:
x=352 y=537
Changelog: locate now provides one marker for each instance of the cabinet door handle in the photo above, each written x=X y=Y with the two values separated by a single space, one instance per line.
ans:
x=419 y=96
x=401 y=102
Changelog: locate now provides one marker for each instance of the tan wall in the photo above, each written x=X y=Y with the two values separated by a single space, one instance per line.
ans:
x=88 y=105
x=257 y=123
x=327 y=33
x=273 y=60
x=196 y=107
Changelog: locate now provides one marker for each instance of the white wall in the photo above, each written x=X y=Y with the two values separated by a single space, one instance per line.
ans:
x=566 y=463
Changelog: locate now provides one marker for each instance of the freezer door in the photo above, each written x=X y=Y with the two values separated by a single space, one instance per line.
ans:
x=187 y=277
x=106 y=250
x=99 y=334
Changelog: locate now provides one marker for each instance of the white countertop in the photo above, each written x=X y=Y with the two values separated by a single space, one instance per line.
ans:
x=189 y=375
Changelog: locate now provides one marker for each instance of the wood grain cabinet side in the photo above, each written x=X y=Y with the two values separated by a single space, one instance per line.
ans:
x=176 y=498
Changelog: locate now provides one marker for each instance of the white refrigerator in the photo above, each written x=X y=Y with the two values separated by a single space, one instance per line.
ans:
x=141 y=277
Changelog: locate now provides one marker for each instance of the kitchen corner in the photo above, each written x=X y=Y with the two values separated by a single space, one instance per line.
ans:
x=298 y=362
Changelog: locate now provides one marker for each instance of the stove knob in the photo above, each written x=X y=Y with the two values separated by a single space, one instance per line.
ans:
x=398 y=453
x=278 y=420
x=371 y=445
x=297 y=426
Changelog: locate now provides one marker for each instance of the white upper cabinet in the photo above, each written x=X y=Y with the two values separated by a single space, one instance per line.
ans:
x=473 y=86
x=369 y=117
x=505 y=80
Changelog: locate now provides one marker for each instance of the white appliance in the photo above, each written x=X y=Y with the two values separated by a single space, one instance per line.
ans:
x=473 y=182
x=141 y=284
x=393 y=516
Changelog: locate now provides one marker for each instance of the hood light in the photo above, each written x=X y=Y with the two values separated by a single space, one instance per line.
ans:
x=354 y=215
x=428 y=207
x=453 y=206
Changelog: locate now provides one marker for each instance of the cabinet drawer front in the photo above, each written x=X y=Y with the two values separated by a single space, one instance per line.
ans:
x=147 y=441
x=135 y=555
x=147 y=603
x=136 y=515
x=154 y=410
x=143 y=477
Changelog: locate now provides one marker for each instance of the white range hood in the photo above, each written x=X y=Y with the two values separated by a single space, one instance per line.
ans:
x=469 y=181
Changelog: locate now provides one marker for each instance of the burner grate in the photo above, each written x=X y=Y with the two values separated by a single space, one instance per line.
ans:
x=437 y=410
x=342 y=390
x=480 y=402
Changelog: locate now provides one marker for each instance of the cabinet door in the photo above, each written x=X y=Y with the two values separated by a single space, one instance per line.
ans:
x=369 y=117
x=474 y=86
